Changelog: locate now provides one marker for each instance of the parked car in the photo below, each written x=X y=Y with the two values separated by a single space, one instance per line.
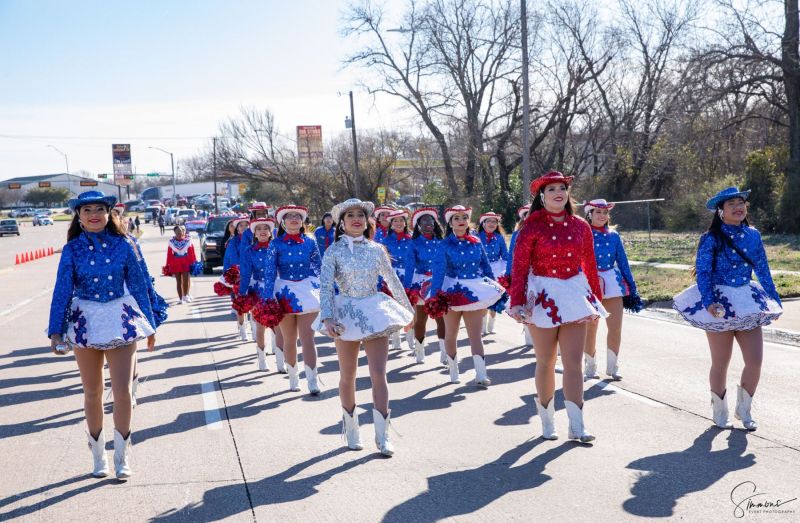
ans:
x=154 y=203
x=182 y=202
x=169 y=215
x=22 y=213
x=9 y=227
x=184 y=215
x=211 y=248
x=135 y=205
x=42 y=219
x=150 y=213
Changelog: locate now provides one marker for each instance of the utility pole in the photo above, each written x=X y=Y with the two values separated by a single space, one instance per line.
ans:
x=526 y=112
x=356 y=175
x=214 y=174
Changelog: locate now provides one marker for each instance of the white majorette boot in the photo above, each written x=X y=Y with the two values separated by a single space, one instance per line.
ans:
x=528 y=338
x=481 y=378
x=410 y=339
x=589 y=368
x=742 y=412
x=576 y=428
x=720 y=411
x=382 y=432
x=242 y=332
x=442 y=352
x=311 y=378
x=396 y=340
x=452 y=364
x=98 y=448
x=612 y=365
x=490 y=326
x=485 y=325
x=280 y=361
x=419 y=351
x=547 y=415
x=122 y=455
x=350 y=430
x=269 y=341
x=294 y=380
x=253 y=327
x=262 y=359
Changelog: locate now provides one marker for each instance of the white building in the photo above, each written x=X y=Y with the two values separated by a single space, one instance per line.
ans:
x=73 y=183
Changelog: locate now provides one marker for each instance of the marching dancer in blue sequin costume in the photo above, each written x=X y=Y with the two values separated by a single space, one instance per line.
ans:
x=522 y=213
x=397 y=241
x=492 y=236
x=616 y=282
x=728 y=304
x=103 y=294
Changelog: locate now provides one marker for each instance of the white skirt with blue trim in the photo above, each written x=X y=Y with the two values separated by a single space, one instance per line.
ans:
x=108 y=325
x=613 y=284
x=298 y=297
x=747 y=307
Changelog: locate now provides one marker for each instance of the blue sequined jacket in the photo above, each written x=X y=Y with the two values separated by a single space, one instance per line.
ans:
x=511 y=244
x=398 y=247
x=325 y=238
x=253 y=262
x=608 y=251
x=718 y=264
x=496 y=248
x=420 y=257
x=98 y=267
x=461 y=259
x=231 y=252
x=291 y=260
x=157 y=303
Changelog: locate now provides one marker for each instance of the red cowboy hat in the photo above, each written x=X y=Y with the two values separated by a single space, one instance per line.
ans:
x=552 y=177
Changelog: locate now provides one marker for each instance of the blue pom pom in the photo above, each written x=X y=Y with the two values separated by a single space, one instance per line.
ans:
x=633 y=302
x=196 y=269
x=500 y=305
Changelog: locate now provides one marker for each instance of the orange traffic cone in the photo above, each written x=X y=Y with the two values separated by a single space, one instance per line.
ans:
x=33 y=255
x=51 y=251
x=24 y=257
x=16 y=259
x=41 y=253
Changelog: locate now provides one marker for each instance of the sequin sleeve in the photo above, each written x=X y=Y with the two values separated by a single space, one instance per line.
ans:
x=62 y=293
x=589 y=262
x=270 y=268
x=521 y=265
x=138 y=285
x=157 y=303
x=231 y=255
x=390 y=277
x=438 y=267
x=410 y=265
x=762 y=269
x=622 y=263
x=192 y=255
x=703 y=268
x=245 y=272
x=486 y=268
x=510 y=259
x=326 y=283
x=503 y=248
x=316 y=259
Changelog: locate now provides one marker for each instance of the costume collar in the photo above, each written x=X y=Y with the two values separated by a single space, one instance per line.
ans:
x=297 y=238
x=350 y=241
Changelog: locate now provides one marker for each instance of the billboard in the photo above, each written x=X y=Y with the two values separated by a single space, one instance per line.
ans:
x=309 y=143
x=121 y=156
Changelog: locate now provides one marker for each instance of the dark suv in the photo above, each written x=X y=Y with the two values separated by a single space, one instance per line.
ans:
x=211 y=243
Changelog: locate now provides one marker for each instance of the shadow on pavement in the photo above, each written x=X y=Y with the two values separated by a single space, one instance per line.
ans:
x=465 y=491
x=668 y=477
x=48 y=501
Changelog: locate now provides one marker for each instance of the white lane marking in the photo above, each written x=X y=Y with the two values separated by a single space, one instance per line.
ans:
x=210 y=406
x=609 y=387
x=23 y=303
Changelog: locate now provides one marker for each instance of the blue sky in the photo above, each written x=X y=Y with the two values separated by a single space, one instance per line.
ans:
x=124 y=71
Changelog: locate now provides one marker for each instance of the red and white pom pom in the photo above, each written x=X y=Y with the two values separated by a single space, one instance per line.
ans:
x=232 y=275
x=165 y=271
x=220 y=289
x=244 y=304
x=504 y=281
x=268 y=313
x=437 y=306
x=413 y=296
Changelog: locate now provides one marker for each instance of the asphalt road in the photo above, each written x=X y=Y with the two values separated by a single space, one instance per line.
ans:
x=217 y=439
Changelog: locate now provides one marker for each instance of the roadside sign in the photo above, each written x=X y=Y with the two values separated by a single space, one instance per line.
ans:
x=121 y=158
x=102 y=176
x=242 y=188
x=44 y=184
x=153 y=174
x=381 y=194
x=88 y=183
x=309 y=143
x=14 y=185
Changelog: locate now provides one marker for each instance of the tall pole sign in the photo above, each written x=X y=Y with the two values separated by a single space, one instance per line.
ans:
x=121 y=156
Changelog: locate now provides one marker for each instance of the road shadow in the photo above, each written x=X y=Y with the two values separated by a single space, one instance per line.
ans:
x=668 y=477
x=463 y=492
x=272 y=490
x=89 y=484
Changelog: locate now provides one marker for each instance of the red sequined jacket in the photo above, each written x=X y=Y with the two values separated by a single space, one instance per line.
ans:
x=552 y=249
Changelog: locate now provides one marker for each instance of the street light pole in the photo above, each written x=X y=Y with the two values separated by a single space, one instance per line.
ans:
x=356 y=175
x=216 y=200
x=526 y=140
x=172 y=162
x=66 y=161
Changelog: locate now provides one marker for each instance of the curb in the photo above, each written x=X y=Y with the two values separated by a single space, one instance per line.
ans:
x=783 y=336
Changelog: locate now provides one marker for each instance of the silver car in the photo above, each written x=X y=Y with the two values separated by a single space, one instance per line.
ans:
x=9 y=227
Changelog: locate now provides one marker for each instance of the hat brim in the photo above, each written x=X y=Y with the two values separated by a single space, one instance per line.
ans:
x=76 y=203
x=714 y=202
x=254 y=224
x=539 y=183
x=414 y=219
x=339 y=209
x=280 y=214
x=448 y=215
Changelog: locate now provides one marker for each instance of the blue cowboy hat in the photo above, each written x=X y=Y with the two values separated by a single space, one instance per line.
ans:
x=92 y=197
x=726 y=194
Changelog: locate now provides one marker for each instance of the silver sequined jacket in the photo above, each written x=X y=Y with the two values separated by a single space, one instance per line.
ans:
x=356 y=274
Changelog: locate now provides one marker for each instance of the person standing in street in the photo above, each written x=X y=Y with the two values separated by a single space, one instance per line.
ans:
x=555 y=291
x=101 y=309
x=492 y=236
x=727 y=304
x=138 y=224
x=324 y=233
x=522 y=213
x=182 y=263
x=161 y=223
x=463 y=280
x=359 y=314
x=398 y=242
x=616 y=282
